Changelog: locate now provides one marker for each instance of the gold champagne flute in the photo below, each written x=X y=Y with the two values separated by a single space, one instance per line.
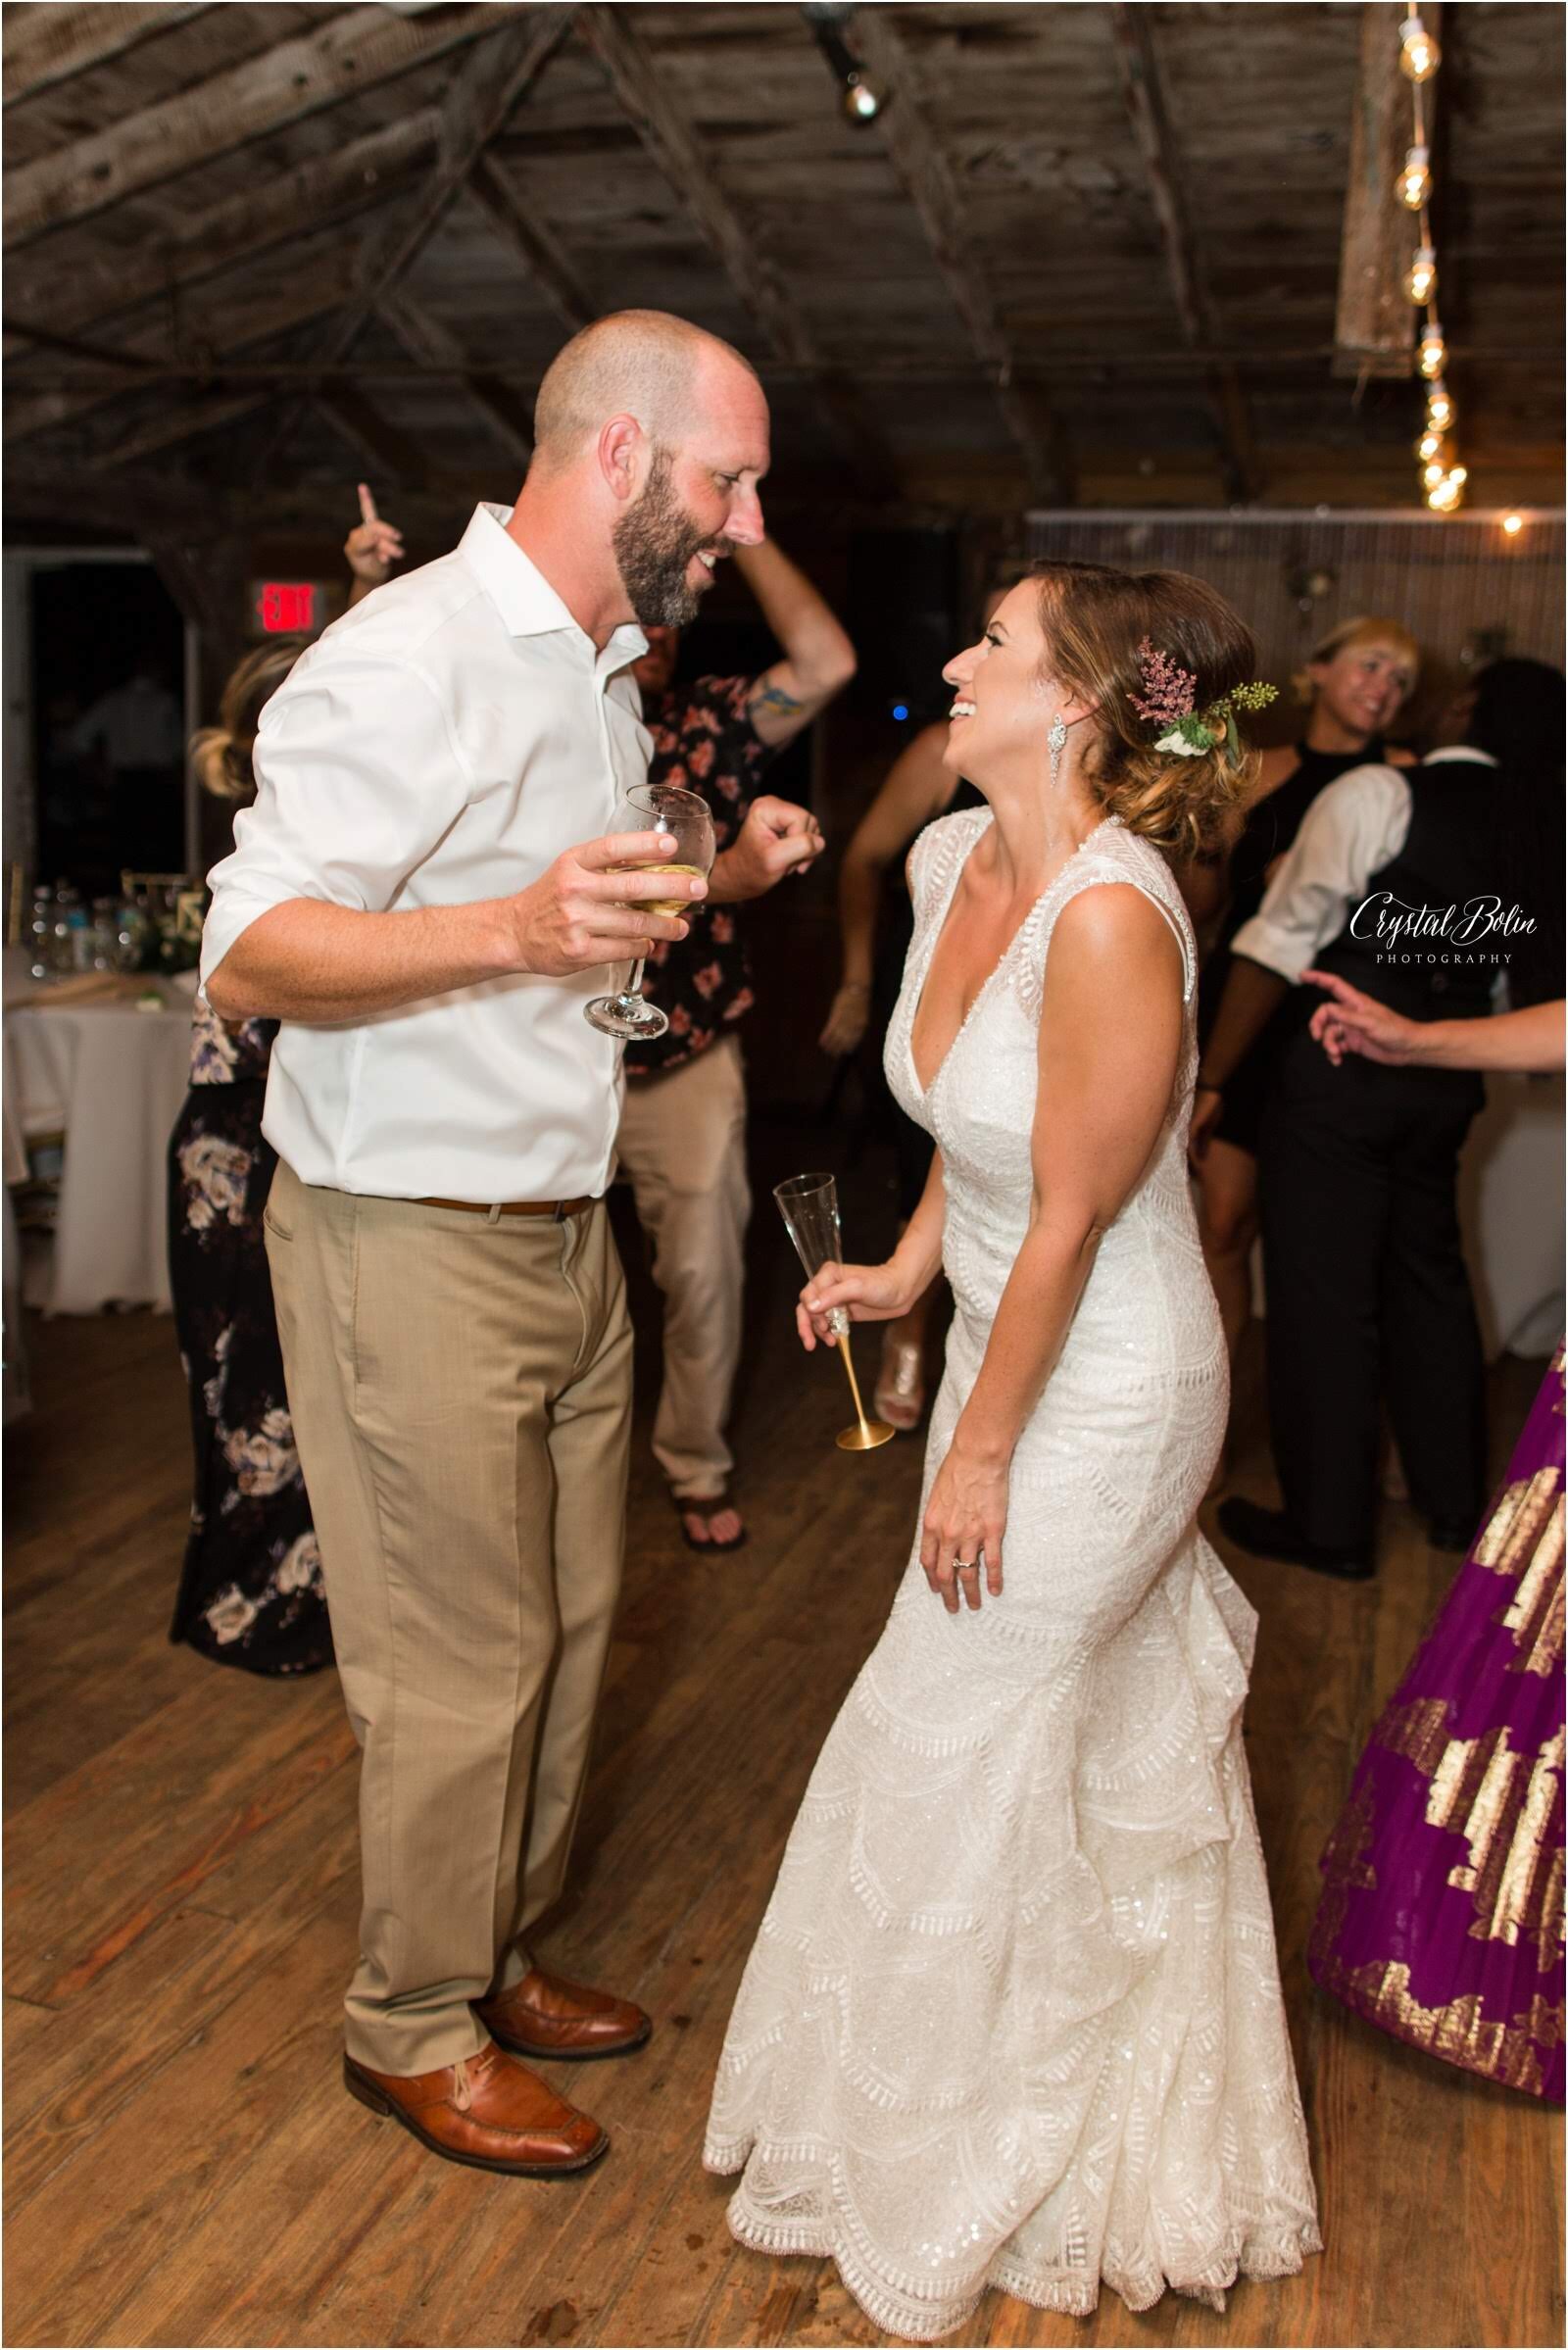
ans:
x=809 y=1207
x=655 y=807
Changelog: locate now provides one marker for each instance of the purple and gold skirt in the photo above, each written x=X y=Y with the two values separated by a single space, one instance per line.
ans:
x=1442 y=1918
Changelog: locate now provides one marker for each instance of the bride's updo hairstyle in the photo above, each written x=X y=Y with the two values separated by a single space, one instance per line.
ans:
x=221 y=755
x=1094 y=620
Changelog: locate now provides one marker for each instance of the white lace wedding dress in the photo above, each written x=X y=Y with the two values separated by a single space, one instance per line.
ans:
x=1014 y=2016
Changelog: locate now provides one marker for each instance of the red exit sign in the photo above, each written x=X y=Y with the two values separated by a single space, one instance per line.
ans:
x=287 y=607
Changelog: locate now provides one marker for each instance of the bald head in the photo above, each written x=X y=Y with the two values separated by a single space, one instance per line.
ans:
x=636 y=363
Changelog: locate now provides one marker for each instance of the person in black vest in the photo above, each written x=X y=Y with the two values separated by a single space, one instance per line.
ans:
x=1390 y=885
x=1356 y=680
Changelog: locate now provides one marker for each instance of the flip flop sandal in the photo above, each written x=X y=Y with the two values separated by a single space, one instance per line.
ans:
x=705 y=1505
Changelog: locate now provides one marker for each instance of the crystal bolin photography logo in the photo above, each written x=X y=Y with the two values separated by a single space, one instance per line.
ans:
x=1471 y=933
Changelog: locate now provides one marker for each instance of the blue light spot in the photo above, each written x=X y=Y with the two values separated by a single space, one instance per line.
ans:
x=900 y=710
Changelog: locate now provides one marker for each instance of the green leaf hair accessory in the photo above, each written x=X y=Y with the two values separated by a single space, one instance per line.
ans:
x=1167 y=699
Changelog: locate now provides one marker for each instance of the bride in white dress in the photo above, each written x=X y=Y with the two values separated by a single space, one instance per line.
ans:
x=1014 y=2016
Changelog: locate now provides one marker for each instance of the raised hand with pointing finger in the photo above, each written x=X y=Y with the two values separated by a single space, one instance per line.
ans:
x=371 y=547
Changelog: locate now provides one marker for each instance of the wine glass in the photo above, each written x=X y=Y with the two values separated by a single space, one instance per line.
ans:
x=653 y=808
x=809 y=1207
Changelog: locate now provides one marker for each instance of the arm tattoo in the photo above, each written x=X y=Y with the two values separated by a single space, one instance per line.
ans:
x=774 y=698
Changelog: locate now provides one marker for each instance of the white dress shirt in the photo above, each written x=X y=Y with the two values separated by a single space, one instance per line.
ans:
x=442 y=743
x=1353 y=828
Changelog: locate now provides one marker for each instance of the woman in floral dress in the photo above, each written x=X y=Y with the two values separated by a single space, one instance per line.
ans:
x=251 y=1594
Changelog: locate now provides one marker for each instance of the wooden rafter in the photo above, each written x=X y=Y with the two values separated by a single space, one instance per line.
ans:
x=1144 y=91
x=45 y=44
x=388 y=451
x=331 y=186
x=351 y=53
x=1374 y=326
x=477 y=107
x=531 y=242
x=174 y=424
x=424 y=337
x=234 y=325
x=927 y=180
x=675 y=148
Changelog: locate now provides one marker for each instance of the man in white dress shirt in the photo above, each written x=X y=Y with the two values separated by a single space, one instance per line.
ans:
x=1368 y=1297
x=424 y=896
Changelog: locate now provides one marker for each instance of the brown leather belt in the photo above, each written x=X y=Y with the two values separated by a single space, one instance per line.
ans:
x=560 y=1209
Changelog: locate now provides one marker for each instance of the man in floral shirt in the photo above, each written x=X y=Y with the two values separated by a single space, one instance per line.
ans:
x=683 y=1128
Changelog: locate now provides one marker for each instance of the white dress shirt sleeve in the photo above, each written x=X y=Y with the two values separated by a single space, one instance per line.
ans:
x=359 y=774
x=1354 y=826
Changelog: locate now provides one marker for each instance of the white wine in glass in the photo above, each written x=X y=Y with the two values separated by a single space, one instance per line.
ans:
x=655 y=807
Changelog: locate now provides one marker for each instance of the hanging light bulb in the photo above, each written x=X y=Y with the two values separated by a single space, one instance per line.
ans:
x=1420 y=54
x=1421 y=277
x=1413 y=187
x=863 y=98
x=1434 y=469
x=1446 y=496
x=1432 y=354
x=1441 y=411
x=1429 y=445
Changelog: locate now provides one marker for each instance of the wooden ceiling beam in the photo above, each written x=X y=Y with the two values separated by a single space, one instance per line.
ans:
x=427 y=337
x=927 y=180
x=674 y=147
x=476 y=108
x=531 y=243
x=1375 y=322
x=301 y=200
x=1143 y=89
x=46 y=45
x=389 y=452
x=178 y=422
x=352 y=52
x=249 y=318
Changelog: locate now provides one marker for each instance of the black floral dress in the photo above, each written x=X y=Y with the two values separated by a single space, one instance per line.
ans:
x=251 y=1594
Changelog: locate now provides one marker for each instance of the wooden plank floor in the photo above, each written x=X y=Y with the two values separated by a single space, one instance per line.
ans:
x=182 y=2165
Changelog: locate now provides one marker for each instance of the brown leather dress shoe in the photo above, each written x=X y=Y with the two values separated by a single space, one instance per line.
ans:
x=488 y=2112
x=545 y=2016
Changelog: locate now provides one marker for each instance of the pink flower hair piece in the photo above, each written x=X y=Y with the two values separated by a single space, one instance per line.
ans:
x=1168 y=691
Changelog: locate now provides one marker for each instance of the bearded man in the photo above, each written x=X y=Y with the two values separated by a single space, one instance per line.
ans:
x=423 y=897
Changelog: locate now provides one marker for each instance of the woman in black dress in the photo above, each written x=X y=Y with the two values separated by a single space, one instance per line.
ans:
x=1358 y=679
x=251 y=1592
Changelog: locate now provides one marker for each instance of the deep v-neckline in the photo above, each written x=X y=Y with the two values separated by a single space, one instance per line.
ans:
x=923 y=1091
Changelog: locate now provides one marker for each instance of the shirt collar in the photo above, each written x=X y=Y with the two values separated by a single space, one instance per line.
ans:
x=1451 y=750
x=522 y=595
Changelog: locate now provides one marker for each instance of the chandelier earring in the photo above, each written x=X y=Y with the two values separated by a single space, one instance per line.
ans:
x=1056 y=742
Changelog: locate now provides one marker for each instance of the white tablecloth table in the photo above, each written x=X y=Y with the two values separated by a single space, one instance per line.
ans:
x=112 y=1078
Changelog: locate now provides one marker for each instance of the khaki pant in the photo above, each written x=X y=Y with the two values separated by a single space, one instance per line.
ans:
x=461 y=1397
x=683 y=1143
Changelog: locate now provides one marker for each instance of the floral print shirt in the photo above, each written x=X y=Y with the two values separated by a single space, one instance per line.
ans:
x=703 y=741
x=228 y=1051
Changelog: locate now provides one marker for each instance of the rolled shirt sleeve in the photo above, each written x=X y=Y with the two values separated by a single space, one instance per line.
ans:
x=359 y=774
x=1353 y=828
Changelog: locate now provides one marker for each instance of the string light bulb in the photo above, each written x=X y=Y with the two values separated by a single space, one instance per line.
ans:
x=1432 y=354
x=1446 y=496
x=1513 y=524
x=1420 y=54
x=863 y=99
x=1441 y=411
x=1436 y=469
x=1421 y=277
x=1413 y=187
x=1429 y=445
